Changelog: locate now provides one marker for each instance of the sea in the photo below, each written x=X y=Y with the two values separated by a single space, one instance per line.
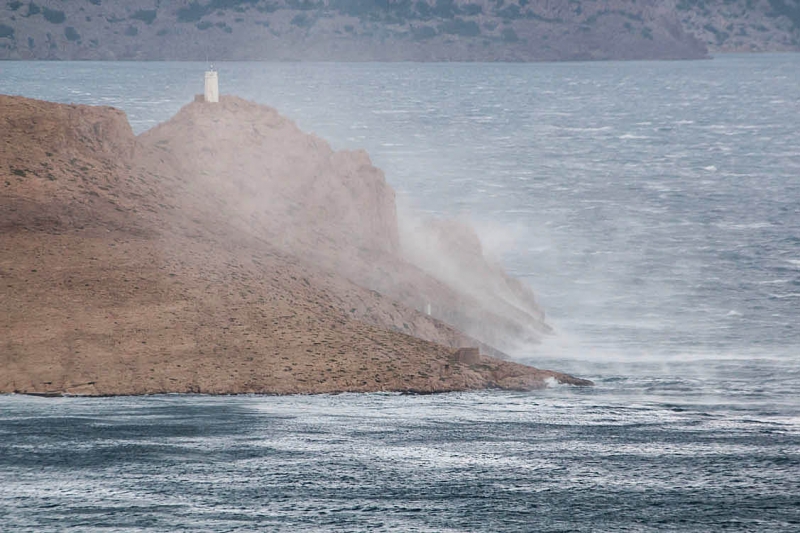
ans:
x=654 y=207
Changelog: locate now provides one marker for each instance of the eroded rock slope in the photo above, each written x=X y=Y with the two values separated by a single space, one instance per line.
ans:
x=224 y=251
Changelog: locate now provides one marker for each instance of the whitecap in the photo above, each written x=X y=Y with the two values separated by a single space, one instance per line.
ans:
x=784 y=296
x=551 y=382
x=390 y=111
x=752 y=225
x=601 y=128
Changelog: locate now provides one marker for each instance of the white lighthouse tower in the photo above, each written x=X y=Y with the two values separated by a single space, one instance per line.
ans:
x=212 y=86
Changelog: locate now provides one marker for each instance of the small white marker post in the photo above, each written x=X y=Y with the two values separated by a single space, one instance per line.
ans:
x=212 y=86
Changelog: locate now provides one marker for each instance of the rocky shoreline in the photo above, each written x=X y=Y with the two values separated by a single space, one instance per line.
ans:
x=227 y=252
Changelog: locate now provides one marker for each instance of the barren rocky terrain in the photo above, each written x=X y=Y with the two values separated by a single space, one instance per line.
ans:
x=226 y=251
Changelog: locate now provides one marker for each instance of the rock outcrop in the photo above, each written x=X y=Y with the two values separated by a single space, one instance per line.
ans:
x=268 y=175
x=335 y=210
x=224 y=251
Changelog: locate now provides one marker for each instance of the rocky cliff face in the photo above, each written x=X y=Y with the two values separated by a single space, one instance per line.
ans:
x=352 y=30
x=224 y=251
x=336 y=210
x=267 y=174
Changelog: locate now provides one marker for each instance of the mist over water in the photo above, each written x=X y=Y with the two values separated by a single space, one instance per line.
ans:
x=648 y=203
x=654 y=207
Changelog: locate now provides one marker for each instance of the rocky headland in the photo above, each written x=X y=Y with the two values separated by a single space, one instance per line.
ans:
x=226 y=251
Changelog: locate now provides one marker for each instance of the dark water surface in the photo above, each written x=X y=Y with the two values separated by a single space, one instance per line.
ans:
x=654 y=206
x=562 y=460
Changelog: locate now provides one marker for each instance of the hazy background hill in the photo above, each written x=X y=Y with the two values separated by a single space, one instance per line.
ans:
x=393 y=29
x=520 y=30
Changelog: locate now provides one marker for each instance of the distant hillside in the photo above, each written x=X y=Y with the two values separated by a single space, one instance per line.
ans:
x=423 y=30
x=743 y=25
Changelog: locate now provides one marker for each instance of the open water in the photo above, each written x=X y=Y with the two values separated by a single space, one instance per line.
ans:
x=654 y=206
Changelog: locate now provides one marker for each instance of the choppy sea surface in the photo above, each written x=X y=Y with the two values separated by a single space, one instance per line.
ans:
x=654 y=207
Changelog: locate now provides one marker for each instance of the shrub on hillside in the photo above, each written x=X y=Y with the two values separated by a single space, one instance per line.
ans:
x=145 y=15
x=457 y=26
x=53 y=15
x=72 y=34
x=423 y=32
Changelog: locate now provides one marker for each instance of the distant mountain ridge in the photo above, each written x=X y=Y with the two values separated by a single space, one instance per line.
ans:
x=340 y=29
x=386 y=30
